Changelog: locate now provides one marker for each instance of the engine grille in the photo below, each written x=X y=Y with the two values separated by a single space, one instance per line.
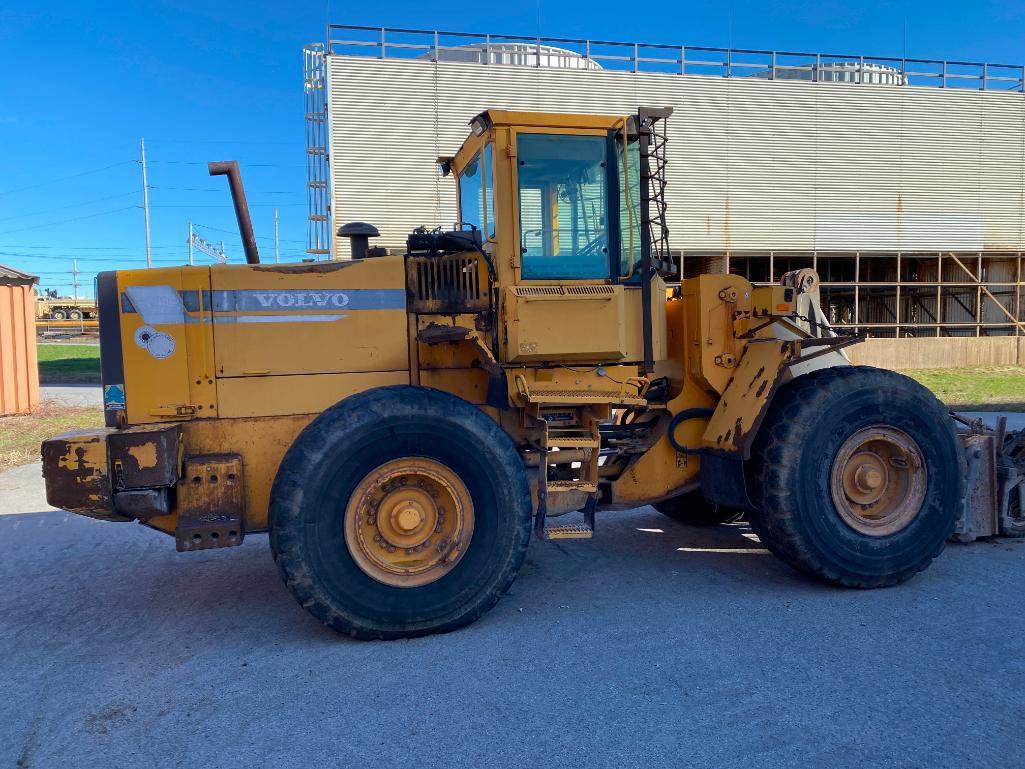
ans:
x=445 y=284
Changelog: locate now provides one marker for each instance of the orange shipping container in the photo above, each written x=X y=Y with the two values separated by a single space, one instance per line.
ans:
x=19 y=368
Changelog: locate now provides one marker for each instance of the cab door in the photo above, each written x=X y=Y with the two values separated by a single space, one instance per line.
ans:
x=576 y=292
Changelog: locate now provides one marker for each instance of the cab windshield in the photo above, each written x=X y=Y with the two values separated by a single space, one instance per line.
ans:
x=569 y=228
x=563 y=197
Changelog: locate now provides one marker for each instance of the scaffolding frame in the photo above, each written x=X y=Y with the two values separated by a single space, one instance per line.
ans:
x=956 y=295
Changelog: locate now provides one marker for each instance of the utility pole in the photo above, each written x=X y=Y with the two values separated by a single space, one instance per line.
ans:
x=74 y=277
x=145 y=203
x=277 y=257
x=190 y=244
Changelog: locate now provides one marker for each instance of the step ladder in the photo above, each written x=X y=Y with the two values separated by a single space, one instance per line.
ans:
x=554 y=439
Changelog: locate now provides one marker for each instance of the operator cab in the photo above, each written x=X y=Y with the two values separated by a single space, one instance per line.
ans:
x=558 y=202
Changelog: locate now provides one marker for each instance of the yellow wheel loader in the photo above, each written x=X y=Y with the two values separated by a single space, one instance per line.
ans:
x=401 y=424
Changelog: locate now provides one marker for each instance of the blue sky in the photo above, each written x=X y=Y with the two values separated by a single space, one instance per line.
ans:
x=201 y=81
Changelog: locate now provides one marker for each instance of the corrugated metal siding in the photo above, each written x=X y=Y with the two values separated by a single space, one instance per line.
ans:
x=19 y=372
x=753 y=164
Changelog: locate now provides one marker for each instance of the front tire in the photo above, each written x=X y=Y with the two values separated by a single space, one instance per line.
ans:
x=399 y=512
x=1012 y=524
x=857 y=476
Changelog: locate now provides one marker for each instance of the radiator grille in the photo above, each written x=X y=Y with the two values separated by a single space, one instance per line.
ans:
x=445 y=284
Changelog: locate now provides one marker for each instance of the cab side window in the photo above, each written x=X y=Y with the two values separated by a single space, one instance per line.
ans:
x=489 y=187
x=629 y=210
x=470 y=193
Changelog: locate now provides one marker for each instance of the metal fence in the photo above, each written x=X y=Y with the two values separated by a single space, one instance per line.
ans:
x=521 y=50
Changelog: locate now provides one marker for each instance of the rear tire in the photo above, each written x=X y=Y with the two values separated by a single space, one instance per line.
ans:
x=693 y=509
x=1013 y=523
x=803 y=477
x=341 y=572
x=75 y=315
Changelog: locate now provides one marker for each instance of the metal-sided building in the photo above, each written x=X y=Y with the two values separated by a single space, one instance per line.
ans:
x=901 y=181
x=19 y=372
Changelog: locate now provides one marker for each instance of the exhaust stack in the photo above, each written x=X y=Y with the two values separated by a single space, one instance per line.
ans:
x=229 y=168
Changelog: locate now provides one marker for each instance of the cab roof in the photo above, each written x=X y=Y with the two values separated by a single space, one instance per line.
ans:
x=501 y=117
x=484 y=121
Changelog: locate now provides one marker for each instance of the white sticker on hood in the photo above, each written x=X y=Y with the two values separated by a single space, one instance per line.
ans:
x=156 y=343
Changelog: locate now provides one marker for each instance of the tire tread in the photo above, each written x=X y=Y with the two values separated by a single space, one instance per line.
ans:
x=310 y=448
x=777 y=452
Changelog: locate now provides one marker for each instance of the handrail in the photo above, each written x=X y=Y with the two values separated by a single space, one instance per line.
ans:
x=394 y=42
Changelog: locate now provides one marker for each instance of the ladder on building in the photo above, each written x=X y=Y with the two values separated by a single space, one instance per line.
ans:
x=318 y=197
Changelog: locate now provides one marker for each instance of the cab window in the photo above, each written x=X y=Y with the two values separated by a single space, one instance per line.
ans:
x=470 y=191
x=489 y=186
x=564 y=232
x=629 y=210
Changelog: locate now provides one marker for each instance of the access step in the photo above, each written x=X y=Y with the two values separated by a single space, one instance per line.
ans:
x=572 y=439
x=568 y=531
x=582 y=397
x=588 y=487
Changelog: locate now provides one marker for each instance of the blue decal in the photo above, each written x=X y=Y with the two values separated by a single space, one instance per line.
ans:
x=114 y=397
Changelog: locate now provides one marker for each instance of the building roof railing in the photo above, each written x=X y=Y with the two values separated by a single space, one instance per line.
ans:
x=493 y=49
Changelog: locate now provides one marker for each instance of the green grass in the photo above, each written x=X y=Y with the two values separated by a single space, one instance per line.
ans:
x=69 y=363
x=976 y=389
x=20 y=436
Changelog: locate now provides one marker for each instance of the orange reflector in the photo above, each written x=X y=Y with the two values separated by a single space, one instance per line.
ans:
x=782 y=308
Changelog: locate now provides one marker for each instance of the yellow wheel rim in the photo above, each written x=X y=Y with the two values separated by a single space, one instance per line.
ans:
x=409 y=522
x=878 y=480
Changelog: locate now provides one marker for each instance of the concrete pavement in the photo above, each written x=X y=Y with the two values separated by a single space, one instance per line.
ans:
x=73 y=395
x=22 y=491
x=653 y=645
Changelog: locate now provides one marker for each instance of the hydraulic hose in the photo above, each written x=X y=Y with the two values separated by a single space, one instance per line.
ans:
x=681 y=417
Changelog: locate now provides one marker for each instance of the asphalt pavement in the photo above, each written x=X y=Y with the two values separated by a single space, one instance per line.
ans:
x=655 y=644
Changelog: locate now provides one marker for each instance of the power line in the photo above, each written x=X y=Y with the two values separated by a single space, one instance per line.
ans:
x=243 y=165
x=67 y=221
x=83 y=248
x=72 y=205
x=222 y=141
x=65 y=178
x=141 y=257
x=235 y=232
x=220 y=190
x=223 y=205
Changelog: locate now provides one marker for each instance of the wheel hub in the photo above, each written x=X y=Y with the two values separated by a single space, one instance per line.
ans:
x=865 y=478
x=408 y=522
x=878 y=480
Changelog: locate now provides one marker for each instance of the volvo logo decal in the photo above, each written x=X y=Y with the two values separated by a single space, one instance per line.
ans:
x=272 y=300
